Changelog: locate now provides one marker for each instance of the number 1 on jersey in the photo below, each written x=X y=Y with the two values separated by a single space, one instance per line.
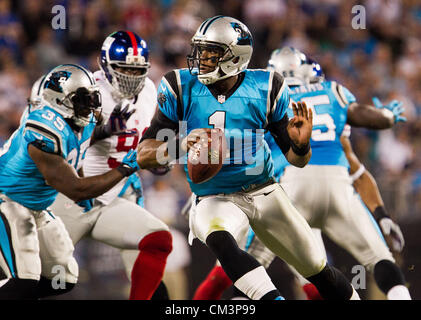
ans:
x=217 y=120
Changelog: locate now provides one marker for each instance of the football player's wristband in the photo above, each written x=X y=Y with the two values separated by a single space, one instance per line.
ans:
x=126 y=170
x=380 y=213
x=358 y=173
x=300 y=151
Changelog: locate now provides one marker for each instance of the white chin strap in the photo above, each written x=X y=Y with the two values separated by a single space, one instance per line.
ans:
x=212 y=77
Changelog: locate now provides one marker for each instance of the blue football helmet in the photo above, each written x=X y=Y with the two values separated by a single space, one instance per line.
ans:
x=313 y=73
x=128 y=51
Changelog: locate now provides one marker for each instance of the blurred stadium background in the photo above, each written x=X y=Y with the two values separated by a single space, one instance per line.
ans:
x=383 y=60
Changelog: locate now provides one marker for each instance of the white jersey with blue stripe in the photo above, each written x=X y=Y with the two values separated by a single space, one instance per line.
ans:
x=259 y=99
x=329 y=102
x=20 y=178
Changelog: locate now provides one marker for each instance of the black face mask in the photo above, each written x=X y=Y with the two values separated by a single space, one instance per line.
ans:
x=194 y=60
x=85 y=102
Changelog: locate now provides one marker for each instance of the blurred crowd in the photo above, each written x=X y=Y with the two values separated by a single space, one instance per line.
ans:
x=382 y=60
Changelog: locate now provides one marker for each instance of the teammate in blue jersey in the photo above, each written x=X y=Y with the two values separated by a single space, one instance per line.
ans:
x=40 y=159
x=217 y=91
x=331 y=203
x=117 y=218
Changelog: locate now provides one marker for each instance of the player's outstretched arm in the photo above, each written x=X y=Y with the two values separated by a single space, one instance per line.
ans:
x=366 y=186
x=377 y=117
x=64 y=178
x=363 y=181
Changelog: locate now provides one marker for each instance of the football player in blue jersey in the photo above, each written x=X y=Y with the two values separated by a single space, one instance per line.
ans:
x=217 y=91
x=331 y=204
x=117 y=217
x=40 y=159
x=344 y=217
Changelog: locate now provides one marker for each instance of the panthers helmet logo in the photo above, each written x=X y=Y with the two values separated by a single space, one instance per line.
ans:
x=244 y=36
x=56 y=79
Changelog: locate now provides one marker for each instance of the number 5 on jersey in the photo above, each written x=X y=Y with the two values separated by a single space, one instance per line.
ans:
x=323 y=124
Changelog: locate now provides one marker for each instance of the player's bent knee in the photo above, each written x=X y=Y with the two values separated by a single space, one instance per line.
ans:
x=56 y=252
x=312 y=268
x=370 y=265
x=62 y=270
x=159 y=241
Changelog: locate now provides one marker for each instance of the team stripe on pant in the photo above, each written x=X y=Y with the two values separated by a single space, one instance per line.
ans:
x=6 y=247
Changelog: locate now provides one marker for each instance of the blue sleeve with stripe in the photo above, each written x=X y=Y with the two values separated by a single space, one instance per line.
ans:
x=281 y=105
x=41 y=141
x=167 y=102
x=347 y=95
x=39 y=129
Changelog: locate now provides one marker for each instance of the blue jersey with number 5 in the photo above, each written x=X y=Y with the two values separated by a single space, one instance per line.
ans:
x=259 y=98
x=20 y=178
x=329 y=102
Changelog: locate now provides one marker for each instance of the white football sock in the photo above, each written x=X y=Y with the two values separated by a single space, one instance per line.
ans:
x=399 y=292
x=355 y=295
x=255 y=283
x=3 y=282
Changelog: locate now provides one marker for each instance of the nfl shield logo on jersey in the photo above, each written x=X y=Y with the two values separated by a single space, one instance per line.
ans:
x=221 y=98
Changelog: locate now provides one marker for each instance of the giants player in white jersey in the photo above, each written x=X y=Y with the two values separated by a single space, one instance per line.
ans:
x=117 y=217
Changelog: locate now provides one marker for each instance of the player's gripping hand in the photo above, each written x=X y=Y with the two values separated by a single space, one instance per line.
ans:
x=393 y=232
x=117 y=123
x=300 y=127
x=195 y=136
x=129 y=164
x=395 y=107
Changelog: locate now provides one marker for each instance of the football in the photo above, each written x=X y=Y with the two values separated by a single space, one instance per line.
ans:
x=206 y=156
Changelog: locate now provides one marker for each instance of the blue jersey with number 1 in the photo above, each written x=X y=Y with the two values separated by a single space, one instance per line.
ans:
x=20 y=178
x=329 y=102
x=259 y=99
